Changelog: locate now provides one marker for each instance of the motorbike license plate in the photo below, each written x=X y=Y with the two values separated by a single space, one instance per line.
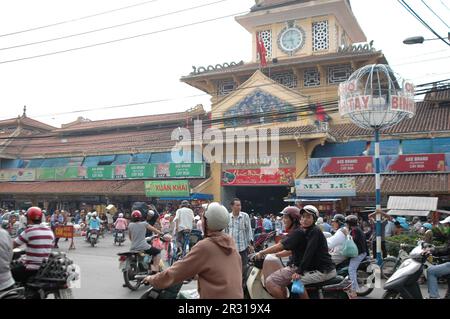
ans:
x=122 y=265
x=119 y=235
x=94 y=235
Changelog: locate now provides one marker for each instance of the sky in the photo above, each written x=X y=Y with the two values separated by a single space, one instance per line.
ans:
x=148 y=68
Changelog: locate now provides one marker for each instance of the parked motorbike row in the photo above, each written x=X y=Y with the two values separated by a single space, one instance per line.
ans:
x=53 y=278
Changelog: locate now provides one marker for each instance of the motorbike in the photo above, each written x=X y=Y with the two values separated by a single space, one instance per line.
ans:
x=53 y=278
x=403 y=284
x=119 y=237
x=135 y=265
x=391 y=264
x=366 y=275
x=261 y=240
x=93 y=237
x=336 y=288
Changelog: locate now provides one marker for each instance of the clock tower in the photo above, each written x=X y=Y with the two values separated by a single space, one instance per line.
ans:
x=300 y=28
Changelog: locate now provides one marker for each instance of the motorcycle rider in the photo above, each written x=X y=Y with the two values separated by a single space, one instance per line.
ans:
x=120 y=223
x=6 y=254
x=39 y=241
x=337 y=241
x=436 y=271
x=214 y=259
x=94 y=223
x=360 y=240
x=137 y=231
x=311 y=261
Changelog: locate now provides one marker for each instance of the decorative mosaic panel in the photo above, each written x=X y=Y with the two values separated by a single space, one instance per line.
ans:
x=288 y=79
x=320 y=35
x=339 y=73
x=311 y=77
x=259 y=107
x=225 y=87
x=266 y=37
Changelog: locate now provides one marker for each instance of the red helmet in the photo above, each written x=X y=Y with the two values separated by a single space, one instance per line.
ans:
x=34 y=213
x=136 y=214
x=293 y=212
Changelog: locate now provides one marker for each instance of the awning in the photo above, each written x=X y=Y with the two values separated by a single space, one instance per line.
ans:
x=413 y=203
x=194 y=196
x=400 y=212
x=313 y=199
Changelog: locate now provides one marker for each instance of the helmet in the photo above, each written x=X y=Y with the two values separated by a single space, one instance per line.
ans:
x=120 y=215
x=151 y=213
x=319 y=221
x=217 y=216
x=94 y=214
x=293 y=212
x=136 y=214
x=89 y=214
x=184 y=203
x=427 y=226
x=312 y=210
x=338 y=218
x=351 y=220
x=197 y=217
x=34 y=213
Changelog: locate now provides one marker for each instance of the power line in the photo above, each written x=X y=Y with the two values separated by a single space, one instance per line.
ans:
x=113 y=26
x=445 y=5
x=414 y=14
x=421 y=61
x=123 y=39
x=435 y=13
x=77 y=19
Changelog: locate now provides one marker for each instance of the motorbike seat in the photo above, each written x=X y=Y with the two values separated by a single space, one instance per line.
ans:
x=333 y=281
x=128 y=253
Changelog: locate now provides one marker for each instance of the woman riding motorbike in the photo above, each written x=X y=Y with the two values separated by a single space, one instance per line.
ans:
x=360 y=240
x=337 y=241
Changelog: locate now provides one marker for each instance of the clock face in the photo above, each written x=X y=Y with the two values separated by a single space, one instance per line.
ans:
x=291 y=39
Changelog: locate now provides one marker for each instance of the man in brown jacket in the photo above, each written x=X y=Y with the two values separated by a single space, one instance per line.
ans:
x=214 y=259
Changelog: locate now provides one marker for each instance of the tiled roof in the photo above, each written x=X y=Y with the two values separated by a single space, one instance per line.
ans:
x=404 y=184
x=269 y=4
x=132 y=121
x=124 y=187
x=27 y=122
x=441 y=95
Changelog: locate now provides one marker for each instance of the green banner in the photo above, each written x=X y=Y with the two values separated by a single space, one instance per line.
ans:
x=45 y=174
x=167 y=188
x=186 y=170
x=140 y=171
x=100 y=172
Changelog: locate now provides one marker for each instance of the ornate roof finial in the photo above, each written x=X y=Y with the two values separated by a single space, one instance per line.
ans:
x=24 y=111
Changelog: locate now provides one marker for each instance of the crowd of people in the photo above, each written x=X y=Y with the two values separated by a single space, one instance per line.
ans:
x=313 y=243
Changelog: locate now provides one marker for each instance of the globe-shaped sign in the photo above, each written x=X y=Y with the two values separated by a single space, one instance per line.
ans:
x=374 y=97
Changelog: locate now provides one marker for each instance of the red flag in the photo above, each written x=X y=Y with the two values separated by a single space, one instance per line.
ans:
x=261 y=50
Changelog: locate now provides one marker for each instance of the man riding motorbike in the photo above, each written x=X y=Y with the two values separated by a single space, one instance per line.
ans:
x=214 y=259
x=311 y=261
x=137 y=231
x=39 y=241
x=6 y=254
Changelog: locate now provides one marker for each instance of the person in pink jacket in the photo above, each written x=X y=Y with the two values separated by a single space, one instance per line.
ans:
x=121 y=223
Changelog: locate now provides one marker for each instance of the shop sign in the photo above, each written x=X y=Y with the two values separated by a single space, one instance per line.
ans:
x=258 y=176
x=325 y=187
x=178 y=188
x=346 y=165
x=64 y=231
x=140 y=171
x=17 y=175
x=418 y=163
x=100 y=172
x=45 y=173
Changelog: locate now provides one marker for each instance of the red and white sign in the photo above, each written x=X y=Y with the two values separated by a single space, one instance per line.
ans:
x=349 y=165
x=258 y=176
x=419 y=163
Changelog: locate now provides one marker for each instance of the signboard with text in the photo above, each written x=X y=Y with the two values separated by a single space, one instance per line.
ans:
x=325 y=187
x=258 y=176
x=418 y=163
x=346 y=165
x=178 y=188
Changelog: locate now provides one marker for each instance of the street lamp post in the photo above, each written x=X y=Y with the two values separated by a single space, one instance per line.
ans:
x=375 y=98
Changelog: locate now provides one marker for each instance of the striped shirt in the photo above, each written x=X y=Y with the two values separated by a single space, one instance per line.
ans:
x=241 y=230
x=39 y=241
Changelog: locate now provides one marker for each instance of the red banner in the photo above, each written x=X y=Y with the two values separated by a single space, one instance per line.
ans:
x=258 y=176
x=419 y=163
x=349 y=165
x=64 y=231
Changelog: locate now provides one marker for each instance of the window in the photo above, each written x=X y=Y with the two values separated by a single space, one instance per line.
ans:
x=266 y=37
x=311 y=77
x=320 y=35
x=35 y=163
x=339 y=73
x=56 y=162
x=142 y=158
x=91 y=161
x=288 y=79
x=165 y=157
x=225 y=87
x=122 y=159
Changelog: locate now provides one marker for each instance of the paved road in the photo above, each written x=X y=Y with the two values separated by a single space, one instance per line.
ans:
x=101 y=277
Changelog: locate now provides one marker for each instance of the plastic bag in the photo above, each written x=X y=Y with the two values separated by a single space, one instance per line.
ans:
x=297 y=287
x=349 y=249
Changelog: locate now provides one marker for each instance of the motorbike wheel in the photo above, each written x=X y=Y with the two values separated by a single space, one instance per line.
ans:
x=128 y=277
x=390 y=294
x=388 y=267
x=92 y=243
x=64 y=294
x=365 y=287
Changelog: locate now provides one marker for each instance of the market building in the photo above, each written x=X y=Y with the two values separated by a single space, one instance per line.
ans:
x=310 y=48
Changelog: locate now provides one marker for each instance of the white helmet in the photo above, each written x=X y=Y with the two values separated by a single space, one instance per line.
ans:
x=120 y=215
x=89 y=214
x=94 y=214
x=167 y=216
x=217 y=216
x=312 y=210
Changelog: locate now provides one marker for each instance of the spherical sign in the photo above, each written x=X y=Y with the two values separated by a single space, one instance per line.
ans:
x=374 y=97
